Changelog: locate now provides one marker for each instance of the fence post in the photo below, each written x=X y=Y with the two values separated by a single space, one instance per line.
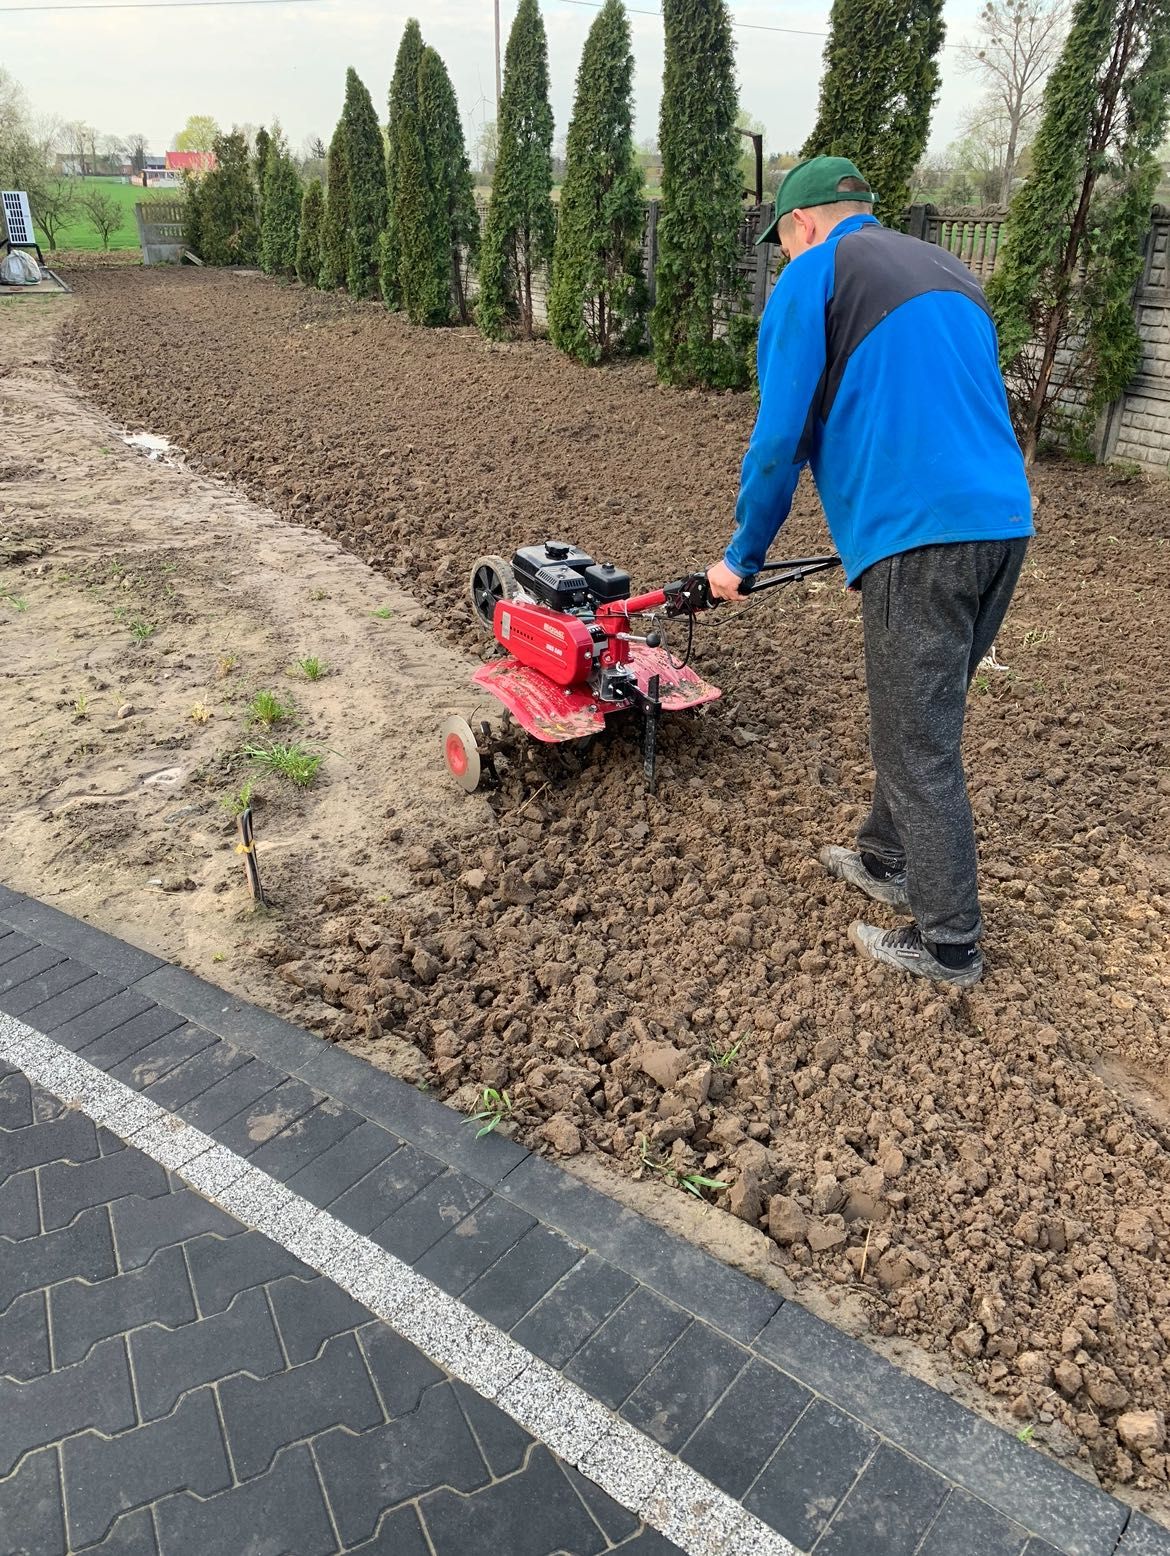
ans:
x=918 y=221
x=650 y=250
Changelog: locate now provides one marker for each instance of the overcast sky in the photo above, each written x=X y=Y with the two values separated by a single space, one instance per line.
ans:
x=147 y=69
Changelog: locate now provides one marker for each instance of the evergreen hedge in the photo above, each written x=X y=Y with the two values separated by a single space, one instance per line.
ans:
x=403 y=95
x=281 y=219
x=366 y=194
x=335 y=226
x=455 y=218
x=308 y=262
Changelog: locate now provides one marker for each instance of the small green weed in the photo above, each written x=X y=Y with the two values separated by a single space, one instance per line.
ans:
x=312 y=668
x=236 y=804
x=383 y=613
x=81 y=705
x=17 y=601
x=1035 y=637
x=296 y=763
x=1026 y=1434
x=227 y=663
x=319 y=594
x=495 y=1107
x=141 y=630
x=220 y=956
x=693 y=1182
x=726 y=1058
x=267 y=709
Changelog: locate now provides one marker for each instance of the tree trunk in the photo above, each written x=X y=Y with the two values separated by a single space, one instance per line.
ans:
x=527 y=285
x=1009 y=163
x=1111 y=87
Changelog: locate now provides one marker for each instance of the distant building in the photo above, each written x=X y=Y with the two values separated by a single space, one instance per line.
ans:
x=190 y=161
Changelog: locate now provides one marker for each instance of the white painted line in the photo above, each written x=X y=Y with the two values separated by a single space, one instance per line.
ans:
x=637 y=1472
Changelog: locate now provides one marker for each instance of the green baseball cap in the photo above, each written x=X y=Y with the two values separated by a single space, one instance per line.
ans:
x=814 y=182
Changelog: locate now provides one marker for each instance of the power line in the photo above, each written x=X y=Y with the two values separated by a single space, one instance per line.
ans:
x=151 y=5
x=795 y=32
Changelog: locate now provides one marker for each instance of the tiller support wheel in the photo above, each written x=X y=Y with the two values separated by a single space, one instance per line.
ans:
x=467 y=753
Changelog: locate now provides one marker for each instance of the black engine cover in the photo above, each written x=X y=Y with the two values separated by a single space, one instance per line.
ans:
x=550 y=574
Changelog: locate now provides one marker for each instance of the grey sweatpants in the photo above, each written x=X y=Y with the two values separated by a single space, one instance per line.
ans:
x=930 y=616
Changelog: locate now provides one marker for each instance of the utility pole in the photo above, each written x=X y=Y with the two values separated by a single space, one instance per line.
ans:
x=498 y=85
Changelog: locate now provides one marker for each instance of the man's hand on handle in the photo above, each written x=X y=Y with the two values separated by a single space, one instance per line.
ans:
x=723 y=583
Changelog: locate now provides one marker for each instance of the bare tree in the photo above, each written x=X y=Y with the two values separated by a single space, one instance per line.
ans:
x=55 y=205
x=77 y=139
x=1017 y=45
x=106 y=214
x=136 y=151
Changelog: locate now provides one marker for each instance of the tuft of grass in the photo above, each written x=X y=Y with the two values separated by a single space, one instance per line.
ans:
x=296 y=763
x=236 y=804
x=312 y=668
x=383 y=613
x=17 y=601
x=495 y=1107
x=219 y=956
x=141 y=630
x=1036 y=636
x=1026 y=1434
x=319 y=594
x=725 y=1058
x=227 y=663
x=267 y=709
x=199 y=713
x=81 y=705
x=693 y=1182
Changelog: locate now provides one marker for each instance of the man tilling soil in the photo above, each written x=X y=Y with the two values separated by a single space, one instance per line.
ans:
x=878 y=368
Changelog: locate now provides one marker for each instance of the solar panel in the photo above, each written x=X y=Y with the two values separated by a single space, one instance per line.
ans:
x=17 y=216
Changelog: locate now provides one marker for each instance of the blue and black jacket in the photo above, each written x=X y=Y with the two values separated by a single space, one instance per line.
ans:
x=879 y=368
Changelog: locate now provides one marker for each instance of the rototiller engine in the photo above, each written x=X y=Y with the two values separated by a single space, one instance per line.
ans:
x=570 y=658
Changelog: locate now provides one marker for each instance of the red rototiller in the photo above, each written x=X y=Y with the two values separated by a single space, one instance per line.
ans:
x=570 y=657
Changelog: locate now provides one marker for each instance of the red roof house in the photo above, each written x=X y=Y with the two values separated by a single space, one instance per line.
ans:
x=190 y=161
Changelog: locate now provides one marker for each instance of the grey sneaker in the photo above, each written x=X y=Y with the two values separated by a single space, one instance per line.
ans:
x=903 y=949
x=849 y=866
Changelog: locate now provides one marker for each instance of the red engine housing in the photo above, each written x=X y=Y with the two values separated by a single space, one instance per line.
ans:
x=557 y=644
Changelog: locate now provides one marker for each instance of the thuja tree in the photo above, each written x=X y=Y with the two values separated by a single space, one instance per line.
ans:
x=226 y=215
x=308 y=261
x=1062 y=294
x=697 y=244
x=455 y=220
x=281 y=219
x=518 y=235
x=260 y=163
x=403 y=95
x=335 y=223
x=597 y=299
x=878 y=90
x=366 y=168
x=423 y=283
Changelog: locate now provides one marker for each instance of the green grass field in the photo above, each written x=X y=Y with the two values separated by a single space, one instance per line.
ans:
x=79 y=234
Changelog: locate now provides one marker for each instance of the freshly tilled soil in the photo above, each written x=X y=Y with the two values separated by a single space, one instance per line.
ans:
x=667 y=981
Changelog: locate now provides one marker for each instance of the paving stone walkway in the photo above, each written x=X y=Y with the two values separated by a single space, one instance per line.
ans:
x=255 y=1298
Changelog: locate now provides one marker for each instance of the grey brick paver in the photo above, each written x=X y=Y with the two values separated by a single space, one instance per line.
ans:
x=95 y=1393
x=95 y=1021
x=67 y=1187
x=613 y=1362
x=531 y=1513
x=143 y=1226
x=31 y=995
x=69 y=1138
x=888 y=1511
x=63 y=1007
x=31 y=1515
x=221 y=1267
x=391 y=1464
x=24 y=1339
x=85 y=1248
x=19 y=1212
x=81 y=1313
x=280 y=1511
x=310 y=1312
x=262 y=1416
x=170 y=1362
x=104 y=1477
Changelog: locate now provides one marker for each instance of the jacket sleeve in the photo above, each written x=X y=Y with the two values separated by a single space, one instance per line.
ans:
x=790 y=357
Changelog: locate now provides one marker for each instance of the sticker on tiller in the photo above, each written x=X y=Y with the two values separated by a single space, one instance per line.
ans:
x=505 y=624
